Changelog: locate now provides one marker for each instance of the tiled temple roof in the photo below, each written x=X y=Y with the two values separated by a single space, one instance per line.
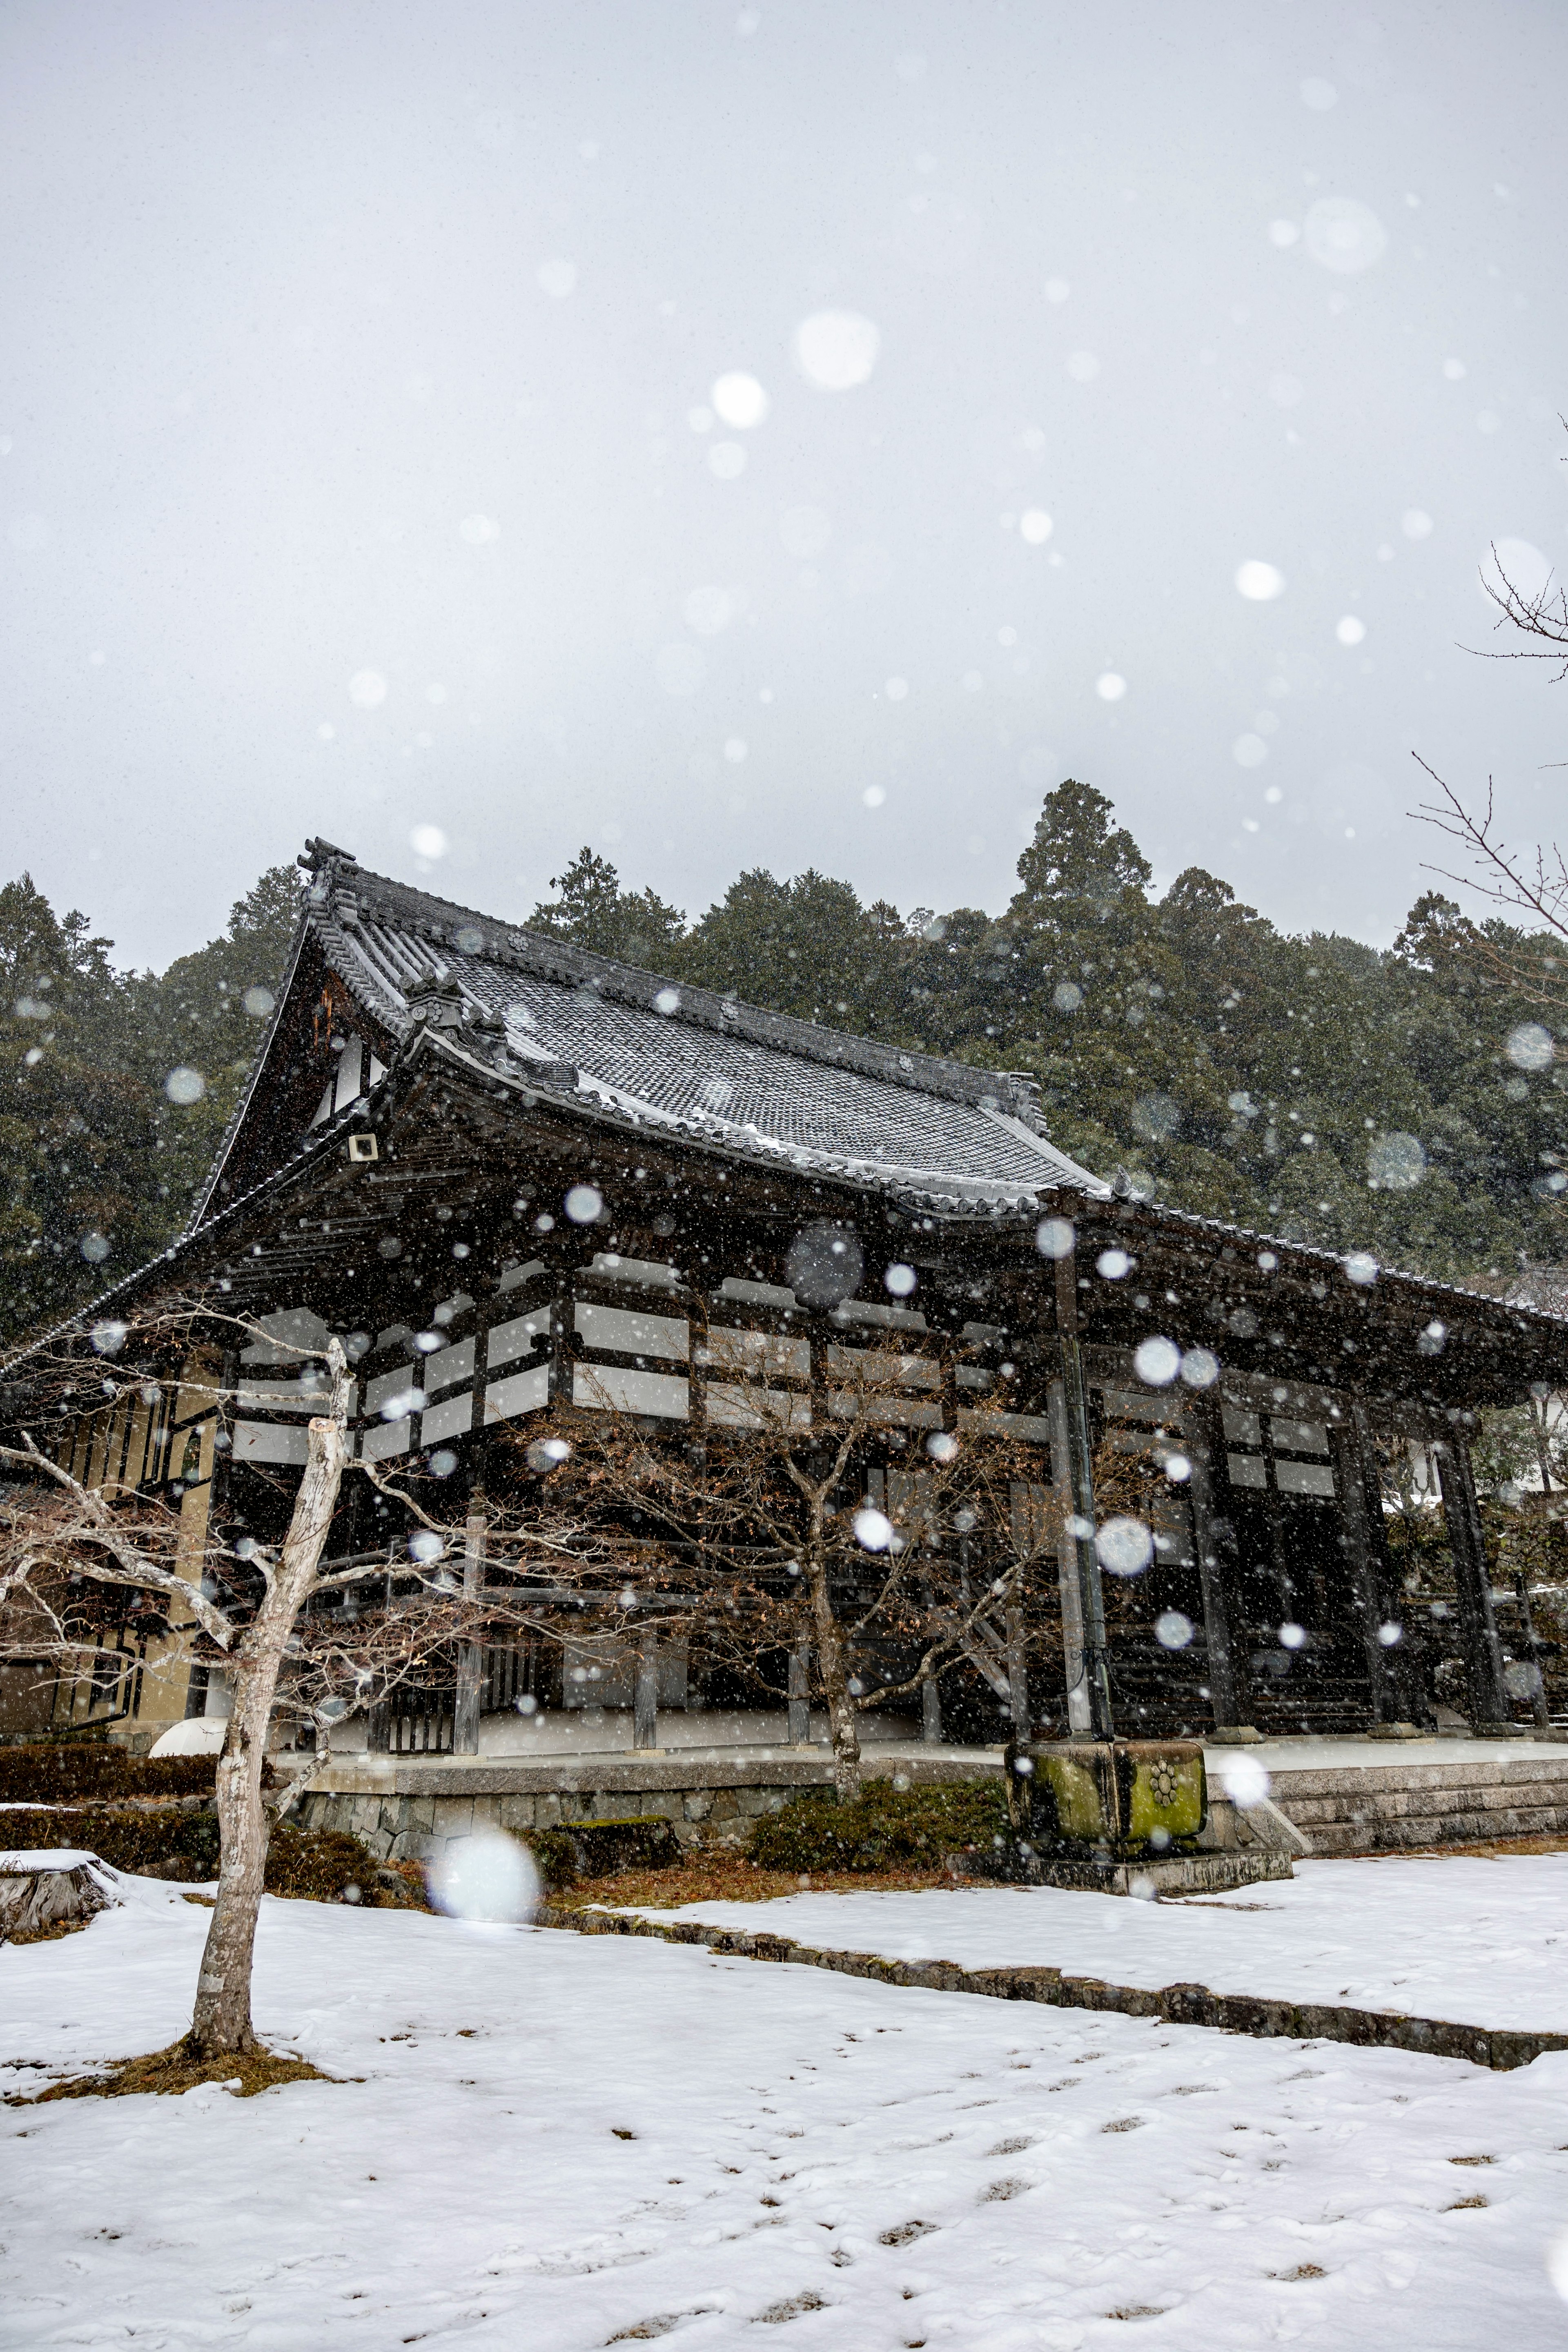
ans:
x=675 y=1056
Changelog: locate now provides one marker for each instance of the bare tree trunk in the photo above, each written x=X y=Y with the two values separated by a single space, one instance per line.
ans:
x=1540 y=1433
x=221 y=2020
x=843 y=1722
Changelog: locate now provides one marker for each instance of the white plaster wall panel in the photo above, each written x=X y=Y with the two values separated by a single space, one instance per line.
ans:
x=454 y=1417
x=754 y=1408
x=653 y=1273
x=875 y=1365
x=351 y=1072
x=393 y=1437
x=449 y=1366
x=1031 y=1428
x=1304 y=1479
x=1300 y=1436
x=886 y=1412
x=387 y=1385
x=766 y=1353
x=268 y=1440
x=607 y=1388
x=522 y=1392
x=518 y=1337
x=630 y=1334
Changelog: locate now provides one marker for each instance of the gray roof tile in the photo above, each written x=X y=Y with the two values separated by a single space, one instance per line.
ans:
x=814 y=1096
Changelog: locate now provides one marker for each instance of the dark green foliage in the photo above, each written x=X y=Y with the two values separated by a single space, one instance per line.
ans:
x=593 y=912
x=69 y=1772
x=1313 y=1087
x=77 y=1124
x=600 y=1849
x=885 y=1826
x=195 y=1016
x=318 y=1865
x=806 y=947
x=97 y=1167
x=180 y=1842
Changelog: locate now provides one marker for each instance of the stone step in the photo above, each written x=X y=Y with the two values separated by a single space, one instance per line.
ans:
x=1309 y=1814
x=1406 y=1771
x=1371 y=1809
x=1390 y=1832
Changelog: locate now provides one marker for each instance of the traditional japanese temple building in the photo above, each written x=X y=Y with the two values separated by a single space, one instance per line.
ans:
x=520 y=1172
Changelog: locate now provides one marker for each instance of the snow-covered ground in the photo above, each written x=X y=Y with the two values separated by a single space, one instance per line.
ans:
x=1477 y=1942
x=567 y=2142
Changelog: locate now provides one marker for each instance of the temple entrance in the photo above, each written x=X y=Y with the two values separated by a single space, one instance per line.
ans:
x=1300 y=1663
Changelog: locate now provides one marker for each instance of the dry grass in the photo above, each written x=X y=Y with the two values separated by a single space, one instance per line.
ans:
x=50 y=1934
x=719 y=1876
x=171 y=2071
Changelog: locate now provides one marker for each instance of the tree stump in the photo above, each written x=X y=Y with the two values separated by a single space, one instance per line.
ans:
x=44 y=1891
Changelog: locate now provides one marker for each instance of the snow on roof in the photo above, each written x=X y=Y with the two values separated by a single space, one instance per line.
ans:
x=668 y=1054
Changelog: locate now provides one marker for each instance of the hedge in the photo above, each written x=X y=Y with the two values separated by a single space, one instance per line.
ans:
x=180 y=1843
x=56 y=1772
x=598 y=1849
x=884 y=1826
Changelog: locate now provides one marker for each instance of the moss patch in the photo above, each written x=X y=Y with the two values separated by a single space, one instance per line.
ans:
x=50 y=1934
x=171 y=2071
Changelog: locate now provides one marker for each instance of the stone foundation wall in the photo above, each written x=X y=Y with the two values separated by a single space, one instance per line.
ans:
x=410 y=1811
x=413 y=1829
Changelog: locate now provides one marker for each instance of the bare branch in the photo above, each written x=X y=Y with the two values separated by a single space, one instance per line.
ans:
x=99 y=1525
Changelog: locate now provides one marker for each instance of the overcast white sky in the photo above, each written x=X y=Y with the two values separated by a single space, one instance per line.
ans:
x=361 y=347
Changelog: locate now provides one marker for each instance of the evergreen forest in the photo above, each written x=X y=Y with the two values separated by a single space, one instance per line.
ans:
x=1404 y=1101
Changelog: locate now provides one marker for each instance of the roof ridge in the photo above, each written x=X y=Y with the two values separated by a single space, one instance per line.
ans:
x=341 y=878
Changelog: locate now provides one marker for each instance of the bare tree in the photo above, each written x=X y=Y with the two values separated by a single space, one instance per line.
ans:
x=1539 y=615
x=1531 y=882
x=264 y=1611
x=823 y=1525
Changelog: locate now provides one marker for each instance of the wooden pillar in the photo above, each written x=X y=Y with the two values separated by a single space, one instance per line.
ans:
x=1472 y=1585
x=1538 y=1706
x=471 y=1655
x=800 y=1693
x=1091 y=1598
x=1215 y=1544
x=1351 y=1445
x=645 y=1719
x=1078 y=1711
x=1286 y=1600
